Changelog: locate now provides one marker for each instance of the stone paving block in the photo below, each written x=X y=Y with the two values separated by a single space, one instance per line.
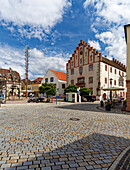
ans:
x=106 y=160
x=83 y=164
x=65 y=166
x=89 y=167
x=33 y=166
x=27 y=163
x=5 y=165
x=46 y=168
x=56 y=167
x=22 y=167
x=81 y=168
x=73 y=165
x=59 y=163
x=10 y=168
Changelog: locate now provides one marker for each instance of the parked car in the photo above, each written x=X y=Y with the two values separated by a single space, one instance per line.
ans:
x=87 y=98
x=36 y=99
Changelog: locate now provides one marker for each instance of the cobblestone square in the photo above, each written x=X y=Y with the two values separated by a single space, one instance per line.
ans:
x=64 y=136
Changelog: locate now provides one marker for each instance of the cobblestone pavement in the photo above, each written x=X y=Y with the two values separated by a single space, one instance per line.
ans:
x=47 y=137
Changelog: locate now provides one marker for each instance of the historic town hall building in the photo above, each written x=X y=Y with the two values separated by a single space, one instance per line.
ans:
x=88 y=68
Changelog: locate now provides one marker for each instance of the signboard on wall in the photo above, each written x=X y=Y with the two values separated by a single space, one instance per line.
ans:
x=69 y=97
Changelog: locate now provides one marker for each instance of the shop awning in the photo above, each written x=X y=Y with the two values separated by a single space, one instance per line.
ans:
x=113 y=89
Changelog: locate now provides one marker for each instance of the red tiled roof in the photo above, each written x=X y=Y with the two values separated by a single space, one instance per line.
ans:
x=38 y=80
x=24 y=80
x=60 y=75
x=4 y=72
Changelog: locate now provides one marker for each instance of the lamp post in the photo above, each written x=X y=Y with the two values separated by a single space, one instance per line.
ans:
x=110 y=90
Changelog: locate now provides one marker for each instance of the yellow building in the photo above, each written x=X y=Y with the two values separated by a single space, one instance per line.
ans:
x=33 y=86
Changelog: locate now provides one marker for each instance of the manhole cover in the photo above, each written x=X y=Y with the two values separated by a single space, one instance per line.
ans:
x=74 y=119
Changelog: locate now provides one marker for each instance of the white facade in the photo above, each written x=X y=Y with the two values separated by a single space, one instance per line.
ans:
x=87 y=68
x=60 y=84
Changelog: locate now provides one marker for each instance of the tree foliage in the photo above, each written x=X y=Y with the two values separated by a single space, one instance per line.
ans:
x=48 y=88
x=70 y=88
x=84 y=91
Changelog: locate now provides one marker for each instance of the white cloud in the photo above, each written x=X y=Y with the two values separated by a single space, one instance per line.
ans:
x=32 y=16
x=94 y=44
x=108 y=26
x=39 y=61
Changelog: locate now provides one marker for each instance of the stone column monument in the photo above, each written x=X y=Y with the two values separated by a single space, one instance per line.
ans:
x=127 y=36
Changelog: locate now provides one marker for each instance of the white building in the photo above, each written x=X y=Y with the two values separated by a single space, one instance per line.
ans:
x=87 y=68
x=56 y=77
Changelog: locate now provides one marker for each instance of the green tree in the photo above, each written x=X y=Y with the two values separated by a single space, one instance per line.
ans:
x=48 y=88
x=70 y=88
x=84 y=91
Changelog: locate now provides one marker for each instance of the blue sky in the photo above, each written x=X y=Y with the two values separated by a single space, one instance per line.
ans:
x=54 y=28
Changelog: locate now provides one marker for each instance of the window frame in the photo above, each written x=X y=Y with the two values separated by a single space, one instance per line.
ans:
x=52 y=79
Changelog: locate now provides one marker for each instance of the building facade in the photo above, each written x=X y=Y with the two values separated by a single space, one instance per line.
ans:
x=10 y=82
x=58 y=78
x=33 y=86
x=127 y=36
x=88 y=68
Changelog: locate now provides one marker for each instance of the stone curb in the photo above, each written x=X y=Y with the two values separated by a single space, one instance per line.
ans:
x=115 y=163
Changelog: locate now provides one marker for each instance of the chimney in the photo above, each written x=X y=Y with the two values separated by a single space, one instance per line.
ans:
x=76 y=48
x=100 y=56
x=91 y=48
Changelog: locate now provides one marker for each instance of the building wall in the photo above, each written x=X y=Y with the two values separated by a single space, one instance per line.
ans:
x=115 y=78
x=56 y=81
x=85 y=56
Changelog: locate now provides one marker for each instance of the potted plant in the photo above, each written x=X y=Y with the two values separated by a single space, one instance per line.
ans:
x=108 y=106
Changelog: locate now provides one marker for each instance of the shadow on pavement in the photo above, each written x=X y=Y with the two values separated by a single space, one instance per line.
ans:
x=96 y=151
x=83 y=107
